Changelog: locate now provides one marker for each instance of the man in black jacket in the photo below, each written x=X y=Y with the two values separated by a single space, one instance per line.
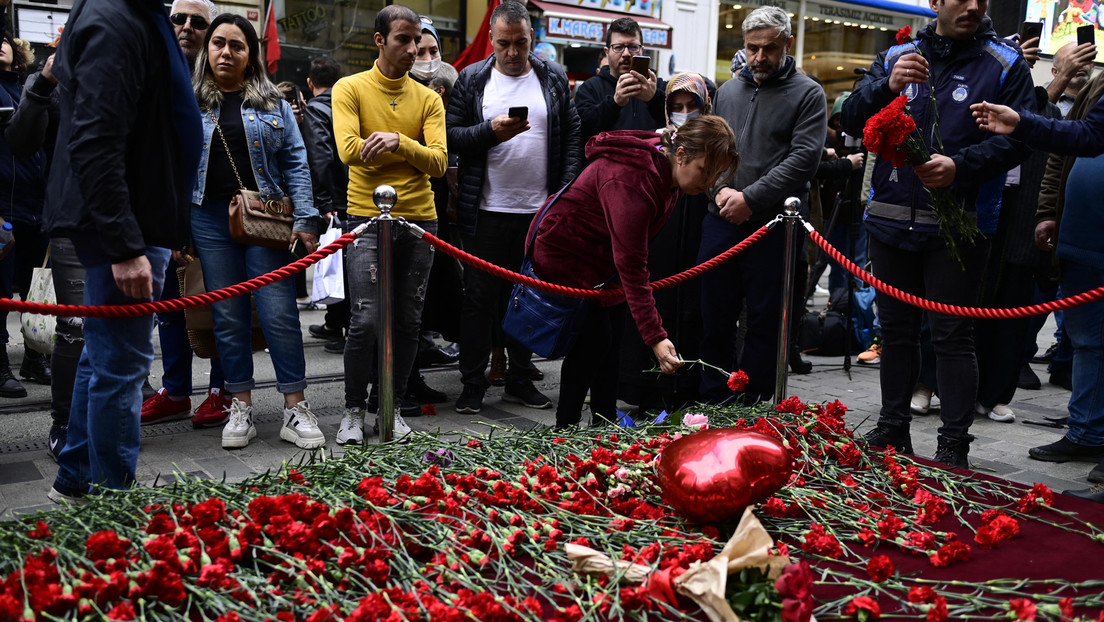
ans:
x=509 y=162
x=618 y=98
x=120 y=191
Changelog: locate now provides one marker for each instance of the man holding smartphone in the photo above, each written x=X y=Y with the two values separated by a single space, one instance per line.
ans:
x=514 y=128
x=619 y=98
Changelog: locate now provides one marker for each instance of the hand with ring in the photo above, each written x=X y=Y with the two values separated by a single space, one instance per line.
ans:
x=902 y=73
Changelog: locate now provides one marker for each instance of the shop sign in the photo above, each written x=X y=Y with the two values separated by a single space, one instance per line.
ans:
x=632 y=7
x=853 y=14
x=656 y=37
x=575 y=29
x=302 y=19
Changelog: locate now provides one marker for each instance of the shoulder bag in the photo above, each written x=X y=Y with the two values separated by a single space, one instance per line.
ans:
x=253 y=220
x=548 y=324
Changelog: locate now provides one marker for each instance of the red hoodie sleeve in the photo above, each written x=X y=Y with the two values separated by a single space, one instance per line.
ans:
x=630 y=210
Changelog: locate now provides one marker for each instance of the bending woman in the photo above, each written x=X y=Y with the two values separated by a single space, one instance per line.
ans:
x=599 y=228
x=250 y=137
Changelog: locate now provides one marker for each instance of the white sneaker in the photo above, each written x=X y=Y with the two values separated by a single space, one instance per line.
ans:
x=1002 y=413
x=239 y=429
x=301 y=427
x=352 y=427
x=401 y=426
x=921 y=399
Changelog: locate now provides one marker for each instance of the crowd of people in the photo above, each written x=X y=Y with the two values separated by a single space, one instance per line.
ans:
x=634 y=178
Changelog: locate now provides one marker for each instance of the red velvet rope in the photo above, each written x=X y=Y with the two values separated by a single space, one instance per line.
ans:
x=939 y=307
x=178 y=304
x=604 y=294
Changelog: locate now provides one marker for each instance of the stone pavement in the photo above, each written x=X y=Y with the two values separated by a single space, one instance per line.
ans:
x=170 y=449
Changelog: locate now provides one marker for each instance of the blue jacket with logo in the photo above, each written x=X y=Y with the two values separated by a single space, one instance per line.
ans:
x=964 y=72
x=279 y=158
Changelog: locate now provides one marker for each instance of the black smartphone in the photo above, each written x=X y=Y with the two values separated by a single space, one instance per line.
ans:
x=518 y=112
x=640 y=64
x=1030 y=30
x=1086 y=34
x=298 y=249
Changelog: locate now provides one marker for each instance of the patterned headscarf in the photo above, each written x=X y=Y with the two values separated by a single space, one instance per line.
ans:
x=692 y=83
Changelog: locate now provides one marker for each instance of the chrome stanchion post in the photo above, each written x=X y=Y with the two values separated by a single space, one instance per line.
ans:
x=385 y=198
x=790 y=214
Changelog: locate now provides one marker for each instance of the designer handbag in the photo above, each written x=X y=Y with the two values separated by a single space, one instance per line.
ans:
x=548 y=324
x=253 y=220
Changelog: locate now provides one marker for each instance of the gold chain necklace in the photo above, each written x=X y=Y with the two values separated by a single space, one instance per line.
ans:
x=387 y=92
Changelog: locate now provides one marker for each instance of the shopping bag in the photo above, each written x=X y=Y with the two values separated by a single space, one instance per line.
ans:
x=329 y=280
x=40 y=331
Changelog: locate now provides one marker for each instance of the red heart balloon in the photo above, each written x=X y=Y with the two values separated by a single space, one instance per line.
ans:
x=712 y=475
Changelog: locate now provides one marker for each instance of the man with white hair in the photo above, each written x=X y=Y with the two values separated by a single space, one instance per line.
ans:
x=190 y=19
x=780 y=125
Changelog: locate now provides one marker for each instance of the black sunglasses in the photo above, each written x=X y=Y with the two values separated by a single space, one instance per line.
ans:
x=182 y=18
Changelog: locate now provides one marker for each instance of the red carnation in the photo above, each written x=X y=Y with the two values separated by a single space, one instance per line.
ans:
x=863 y=608
x=1023 y=608
x=429 y=410
x=950 y=553
x=737 y=381
x=105 y=545
x=903 y=35
x=880 y=568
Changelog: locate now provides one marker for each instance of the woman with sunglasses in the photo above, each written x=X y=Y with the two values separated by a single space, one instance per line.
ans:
x=251 y=140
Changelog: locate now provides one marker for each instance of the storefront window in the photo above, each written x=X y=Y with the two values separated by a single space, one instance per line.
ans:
x=834 y=48
x=312 y=28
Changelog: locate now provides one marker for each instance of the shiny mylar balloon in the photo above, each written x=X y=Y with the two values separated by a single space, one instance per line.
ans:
x=712 y=475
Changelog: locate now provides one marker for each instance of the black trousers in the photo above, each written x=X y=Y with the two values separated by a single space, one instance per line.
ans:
x=592 y=365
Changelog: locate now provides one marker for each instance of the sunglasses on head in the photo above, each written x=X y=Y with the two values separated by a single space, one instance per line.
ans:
x=182 y=18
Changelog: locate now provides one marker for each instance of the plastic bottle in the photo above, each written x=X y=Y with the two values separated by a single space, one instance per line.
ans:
x=5 y=235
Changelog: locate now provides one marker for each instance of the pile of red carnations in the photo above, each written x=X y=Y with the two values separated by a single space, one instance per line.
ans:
x=451 y=528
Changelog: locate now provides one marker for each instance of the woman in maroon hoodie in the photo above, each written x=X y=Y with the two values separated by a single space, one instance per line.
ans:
x=599 y=228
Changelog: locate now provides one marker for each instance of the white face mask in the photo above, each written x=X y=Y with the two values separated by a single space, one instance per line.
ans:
x=679 y=118
x=424 y=69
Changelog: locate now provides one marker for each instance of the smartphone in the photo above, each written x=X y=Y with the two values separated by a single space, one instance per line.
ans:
x=1030 y=30
x=1086 y=34
x=298 y=249
x=640 y=64
x=519 y=112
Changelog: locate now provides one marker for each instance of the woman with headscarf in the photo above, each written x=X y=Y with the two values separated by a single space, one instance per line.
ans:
x=675 y=249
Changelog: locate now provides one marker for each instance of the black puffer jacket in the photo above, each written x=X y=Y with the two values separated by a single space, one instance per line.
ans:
x=470 y=137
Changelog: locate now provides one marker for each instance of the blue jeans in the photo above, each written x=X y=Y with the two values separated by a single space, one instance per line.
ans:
x=1084 y=327
x=176 y=350
x=840 y=238
x=225 y=263
x=411 y=264
x=103 y=442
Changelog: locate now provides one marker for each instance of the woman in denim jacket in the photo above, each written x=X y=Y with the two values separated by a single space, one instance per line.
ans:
x=266 y=153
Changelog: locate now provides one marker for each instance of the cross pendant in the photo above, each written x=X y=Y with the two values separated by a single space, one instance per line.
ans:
x=392 y=103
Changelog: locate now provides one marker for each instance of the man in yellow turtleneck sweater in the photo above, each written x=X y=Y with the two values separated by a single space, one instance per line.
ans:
x=389 y=130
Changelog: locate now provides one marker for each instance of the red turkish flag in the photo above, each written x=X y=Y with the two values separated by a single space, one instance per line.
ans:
x=480 y=47
x=271 y=40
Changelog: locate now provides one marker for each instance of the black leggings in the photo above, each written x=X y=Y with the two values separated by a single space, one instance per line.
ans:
x=592 y=364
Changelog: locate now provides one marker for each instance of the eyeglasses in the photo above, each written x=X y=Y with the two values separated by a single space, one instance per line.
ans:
x=182 y=18
x=619 y=48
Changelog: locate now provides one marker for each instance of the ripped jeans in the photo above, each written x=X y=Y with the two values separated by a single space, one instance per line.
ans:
x=69 y=289
x=412 y=261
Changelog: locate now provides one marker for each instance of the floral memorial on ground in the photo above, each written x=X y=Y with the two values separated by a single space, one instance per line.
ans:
x=479 y=528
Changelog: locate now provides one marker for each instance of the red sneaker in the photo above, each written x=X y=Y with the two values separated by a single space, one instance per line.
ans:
x=160 y=408
x=212 y=412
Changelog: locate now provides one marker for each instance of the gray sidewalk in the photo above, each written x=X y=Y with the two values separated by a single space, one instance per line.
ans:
x=27 y=471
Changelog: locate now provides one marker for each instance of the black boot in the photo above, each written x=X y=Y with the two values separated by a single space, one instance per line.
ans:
x=9 y=386
x=418 y=391
x=798 y=363
x=953 y=451
x=889 y=435
x=35 y=367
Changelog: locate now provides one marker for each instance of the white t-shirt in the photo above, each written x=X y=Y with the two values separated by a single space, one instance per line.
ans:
x=517 y=170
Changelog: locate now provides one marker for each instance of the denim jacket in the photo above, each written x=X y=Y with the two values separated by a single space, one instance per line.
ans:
x=279 y=159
